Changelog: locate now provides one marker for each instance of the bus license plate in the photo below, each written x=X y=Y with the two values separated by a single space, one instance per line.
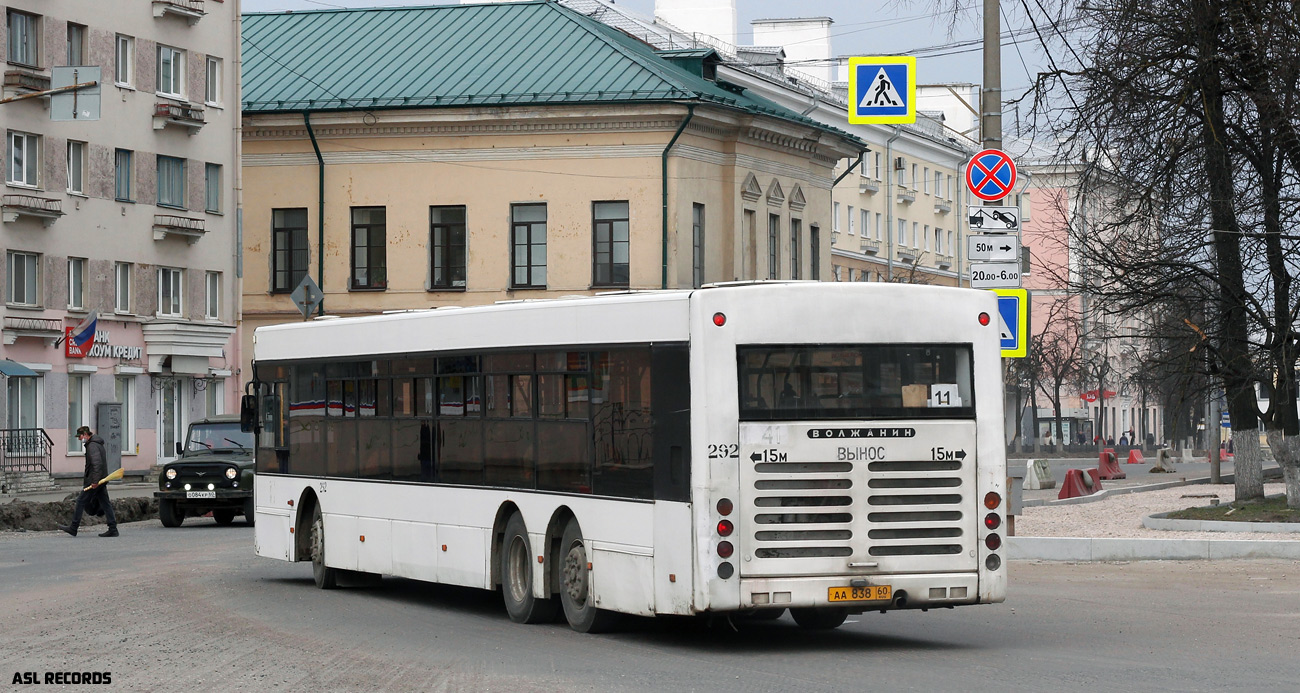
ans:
x=200 y=494
x=859 y=594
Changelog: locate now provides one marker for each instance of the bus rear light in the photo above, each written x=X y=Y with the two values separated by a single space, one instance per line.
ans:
x=719 y=319
x=291 y=503
x=724 y=507
x=726 y=570
x=993 y=562
x=985 y=319
x=992 y=500
x=993 y=541
x=725 y=528
x=992 y=521
x=725 y=549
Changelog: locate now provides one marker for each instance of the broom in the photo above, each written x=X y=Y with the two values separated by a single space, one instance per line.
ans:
x=115 y=476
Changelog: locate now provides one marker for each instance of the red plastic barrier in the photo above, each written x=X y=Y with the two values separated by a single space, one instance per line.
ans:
x=1075 y=487
x=1135 y=457
x=1108 y=466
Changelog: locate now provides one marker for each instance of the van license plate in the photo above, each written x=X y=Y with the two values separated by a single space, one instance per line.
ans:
x=870 y=593
x=213 y=494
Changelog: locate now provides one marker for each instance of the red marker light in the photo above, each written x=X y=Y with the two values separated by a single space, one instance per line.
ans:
x=724 y=507
x=719 y=319
x=725 y=549
x=725 y=527
x=992 y=521
x=985 y=319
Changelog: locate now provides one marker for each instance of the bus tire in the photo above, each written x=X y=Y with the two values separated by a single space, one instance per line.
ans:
x=762 y=614
x=170 y=515
x=517 y=563
x=575 y=581
x=223 y=517
x=250 y=512
x=326 y=578
x=824 y=618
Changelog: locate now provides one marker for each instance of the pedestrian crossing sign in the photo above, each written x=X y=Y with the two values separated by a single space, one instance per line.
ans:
x=882 y=89
x=1013 y=322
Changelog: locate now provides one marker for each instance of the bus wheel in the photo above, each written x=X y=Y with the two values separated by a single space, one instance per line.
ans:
x=819 y=619
x=170 y=515
x=517 y=577
x=762 y=614
x=575 y=585
x=223 y=517
x=250 y=512
x=325 y=577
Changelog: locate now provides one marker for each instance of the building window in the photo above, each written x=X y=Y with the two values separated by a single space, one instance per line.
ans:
x=78 y=410
x=902 y=233
x=528 y=246
x=369 y=256
x=938 y=240
x=610 y=236
x=24 y=402
x=837 y=272
x=76 y=167
x=124 y=61
x=212 y=306
x=938 y=178
x=215 y=396
x=949 y=245
x=878 y=215
x=795 y=232
x=865 y=218
x=925 y=180
x=171 y=289
x=925 y=238
x=76 y=283
x=815 y=256
x=773 y=246
x=122 y=175
x=171 y=72
x=914 y=185
x=289 y=252
x=899 y=174
x=697 y=245
x=24 y=279
x=948 y=188
x=24 y=38
x=24 y=159
x=850 y=220
x=171 y=182
x=212 y=93
x=916 y=238
x=835 y=216
x=212 y=185
x=877 y=176
x=124 y=392
x=447 y=251
x=76 y=44
x=122 y=287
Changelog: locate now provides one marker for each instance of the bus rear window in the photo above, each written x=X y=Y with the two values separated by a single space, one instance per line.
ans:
x=878 y=381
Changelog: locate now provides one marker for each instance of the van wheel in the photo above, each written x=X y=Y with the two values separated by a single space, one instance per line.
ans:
x=223 y=517
x=170 y=515
x=575 y=585
x=819 y=619
x=517 y=562
x=325 y=577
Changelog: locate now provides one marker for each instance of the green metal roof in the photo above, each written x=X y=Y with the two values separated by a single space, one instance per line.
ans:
x=525 y=53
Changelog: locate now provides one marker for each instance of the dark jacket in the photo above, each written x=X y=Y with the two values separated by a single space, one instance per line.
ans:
x=96 y=461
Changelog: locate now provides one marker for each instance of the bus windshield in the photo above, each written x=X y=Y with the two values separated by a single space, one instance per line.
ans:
x=828 y=382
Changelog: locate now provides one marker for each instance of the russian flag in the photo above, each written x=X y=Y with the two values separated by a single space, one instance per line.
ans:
x=85 y=330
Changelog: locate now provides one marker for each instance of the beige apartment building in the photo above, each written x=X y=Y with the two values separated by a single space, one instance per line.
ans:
x=465 y=176
x=119 y=204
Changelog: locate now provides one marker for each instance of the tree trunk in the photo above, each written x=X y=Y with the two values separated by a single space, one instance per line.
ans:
x=1286 y=450
x=1247 y=470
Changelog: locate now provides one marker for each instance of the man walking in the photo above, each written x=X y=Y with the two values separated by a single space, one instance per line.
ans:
x=96 y=469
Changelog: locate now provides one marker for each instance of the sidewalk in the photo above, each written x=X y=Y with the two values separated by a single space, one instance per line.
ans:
x=131 y=489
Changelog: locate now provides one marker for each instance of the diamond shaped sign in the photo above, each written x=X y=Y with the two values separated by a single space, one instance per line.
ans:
x=307 y=296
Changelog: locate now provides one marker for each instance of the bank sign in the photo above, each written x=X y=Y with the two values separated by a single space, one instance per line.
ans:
x=102 y=348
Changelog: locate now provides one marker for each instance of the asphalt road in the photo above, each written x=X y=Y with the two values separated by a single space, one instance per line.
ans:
x=192 y=609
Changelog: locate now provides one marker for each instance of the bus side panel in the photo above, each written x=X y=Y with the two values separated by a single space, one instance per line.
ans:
x=271 y=537
x=415 y=551
x=629 y=587
x=674 y=554
x=466 y=560
x=375 y=546
x=340 y=541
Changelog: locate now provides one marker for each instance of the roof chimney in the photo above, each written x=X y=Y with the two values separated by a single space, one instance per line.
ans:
x=716 y=18
x=805 y=40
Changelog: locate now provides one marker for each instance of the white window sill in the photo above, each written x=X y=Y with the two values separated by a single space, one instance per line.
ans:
x=124 y=86
x=23 y=306
x=179 y=98
x=24 y=186
x=78 y=193
x=217 y=106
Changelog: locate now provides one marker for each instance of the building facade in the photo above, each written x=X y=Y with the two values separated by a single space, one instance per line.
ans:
x=459 y=177
x=119 y=207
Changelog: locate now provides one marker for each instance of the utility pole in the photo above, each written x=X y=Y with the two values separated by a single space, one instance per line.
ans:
x=991 y=94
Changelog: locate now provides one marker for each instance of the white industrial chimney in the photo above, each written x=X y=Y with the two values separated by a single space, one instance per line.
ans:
x=807 y=43
x=716 y=18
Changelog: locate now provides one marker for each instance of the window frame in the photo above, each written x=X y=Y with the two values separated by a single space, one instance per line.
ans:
x=122 y=288
x=796 y=242
x=442 y=274
x=698 y=244
x=124 y=388
x=32 y=41
x=530 y=266
x=182 y=193
x=118 y=175
x=30 y=141
x=212 y=86
x=76 y=168
x=178 y=75
x=76 y=283
x=31 y=279
x=371 y=283
x=603 y=236
x=79 y=44
x=124 y=61
x=773 y=246
x=815 y=252
x=212 y=188
x=171 y=280
x=81 y=381
x=287 y=233
x=37 y=396
x=212 y=296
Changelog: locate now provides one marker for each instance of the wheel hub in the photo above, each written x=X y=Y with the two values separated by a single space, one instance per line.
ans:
x=575 y=574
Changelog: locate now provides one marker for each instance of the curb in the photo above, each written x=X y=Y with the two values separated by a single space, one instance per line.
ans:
x=1083 y=549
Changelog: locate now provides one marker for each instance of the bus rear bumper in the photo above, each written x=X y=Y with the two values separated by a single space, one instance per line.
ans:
x=913 y=591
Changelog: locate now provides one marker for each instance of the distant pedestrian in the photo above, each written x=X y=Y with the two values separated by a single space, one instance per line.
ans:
x=1123 y=440
x=97 y=493
x=1110 y=440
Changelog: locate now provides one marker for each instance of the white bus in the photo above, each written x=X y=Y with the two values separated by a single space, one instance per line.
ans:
x=827 y=448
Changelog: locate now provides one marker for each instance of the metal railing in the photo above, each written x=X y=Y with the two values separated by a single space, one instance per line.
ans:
x=25 y=450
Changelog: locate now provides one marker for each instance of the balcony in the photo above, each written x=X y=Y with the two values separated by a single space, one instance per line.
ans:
x=907 y=255
x=942 y=207
x=190 y=10
x=44 y=208
x=944 y=261
x=868 y=186
x=870 y=246
x=165 y=225
x=25 y=80
x=835 y=238
x=906 y=196
x=167 y=113
x=38 y=328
